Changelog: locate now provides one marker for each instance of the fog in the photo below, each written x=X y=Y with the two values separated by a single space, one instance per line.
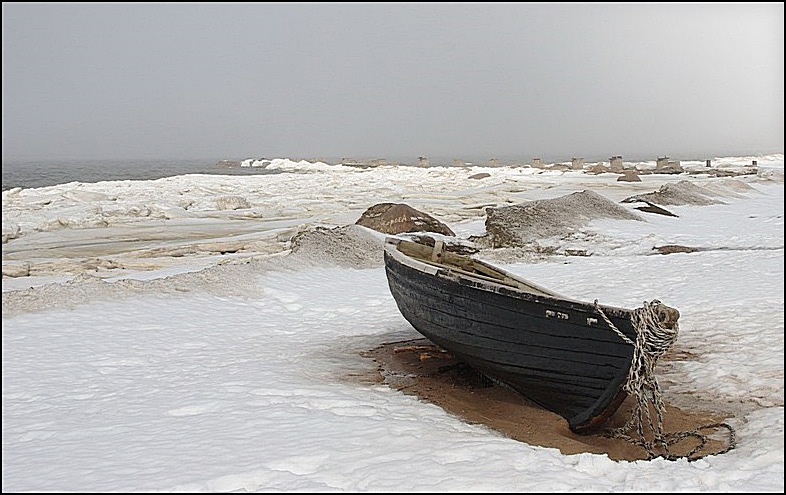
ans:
x=466 y=81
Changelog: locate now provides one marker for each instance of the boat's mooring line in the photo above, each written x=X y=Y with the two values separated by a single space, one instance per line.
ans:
x=653 y=339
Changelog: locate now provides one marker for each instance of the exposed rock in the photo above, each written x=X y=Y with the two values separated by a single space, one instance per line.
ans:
x=629 y=176
x=517 y=225
x=674 y=248
x=396 y=218
x=597 y=168
x=651 y=208
x=669 y=168
x=481 y=175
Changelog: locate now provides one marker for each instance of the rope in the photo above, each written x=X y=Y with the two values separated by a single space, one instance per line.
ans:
x=655 y=334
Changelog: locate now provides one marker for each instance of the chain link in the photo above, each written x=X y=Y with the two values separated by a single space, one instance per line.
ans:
x=653 y=339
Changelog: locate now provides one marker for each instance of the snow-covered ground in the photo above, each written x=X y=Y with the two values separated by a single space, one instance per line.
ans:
x=164 y=339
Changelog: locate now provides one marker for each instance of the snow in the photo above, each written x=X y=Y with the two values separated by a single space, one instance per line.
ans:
x=161 y=343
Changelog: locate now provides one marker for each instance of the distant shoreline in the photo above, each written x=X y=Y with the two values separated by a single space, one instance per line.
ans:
x=43 y=173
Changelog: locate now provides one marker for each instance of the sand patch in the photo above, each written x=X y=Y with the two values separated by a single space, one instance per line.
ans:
x=422 y=369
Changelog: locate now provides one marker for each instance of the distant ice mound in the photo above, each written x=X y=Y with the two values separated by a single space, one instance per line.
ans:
x=285 y=164
x=350 y=246
x=729 y=187
x=688 y=193
x=232 y=203
x=771 y=174
x=10 y=231
x=232 y=279
x=80 y=196
x=677 y=194
x=519 y=225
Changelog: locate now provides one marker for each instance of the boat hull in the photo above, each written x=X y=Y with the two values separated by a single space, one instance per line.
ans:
x=558 y=353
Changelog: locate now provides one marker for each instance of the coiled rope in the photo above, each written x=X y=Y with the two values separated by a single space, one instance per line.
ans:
x=653 y=338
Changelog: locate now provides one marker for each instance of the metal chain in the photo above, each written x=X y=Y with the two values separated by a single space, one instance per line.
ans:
x=652 y=341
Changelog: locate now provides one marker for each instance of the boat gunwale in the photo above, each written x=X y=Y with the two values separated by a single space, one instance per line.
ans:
x=487 y=283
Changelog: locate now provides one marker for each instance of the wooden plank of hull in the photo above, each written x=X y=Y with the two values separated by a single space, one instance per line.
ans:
x=573 y=369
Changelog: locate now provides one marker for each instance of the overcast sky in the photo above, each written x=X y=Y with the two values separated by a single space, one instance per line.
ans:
x=197 y=80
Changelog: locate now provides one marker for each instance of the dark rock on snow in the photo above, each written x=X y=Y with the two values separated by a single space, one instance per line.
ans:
x=397 y=218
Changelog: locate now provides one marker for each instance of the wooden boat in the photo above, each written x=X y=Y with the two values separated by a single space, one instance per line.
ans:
x=561 y=353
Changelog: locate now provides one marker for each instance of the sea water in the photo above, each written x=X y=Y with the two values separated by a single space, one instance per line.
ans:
x=41 y=173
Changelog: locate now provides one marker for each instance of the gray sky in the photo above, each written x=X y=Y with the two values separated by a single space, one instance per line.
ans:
x=156 y=80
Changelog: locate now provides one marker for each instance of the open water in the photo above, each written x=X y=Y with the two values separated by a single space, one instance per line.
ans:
x=41 y=173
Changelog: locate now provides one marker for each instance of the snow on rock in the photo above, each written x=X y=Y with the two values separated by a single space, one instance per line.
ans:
x=518 y=225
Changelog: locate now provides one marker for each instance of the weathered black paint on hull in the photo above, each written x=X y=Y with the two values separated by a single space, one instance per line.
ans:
x=568 y=366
